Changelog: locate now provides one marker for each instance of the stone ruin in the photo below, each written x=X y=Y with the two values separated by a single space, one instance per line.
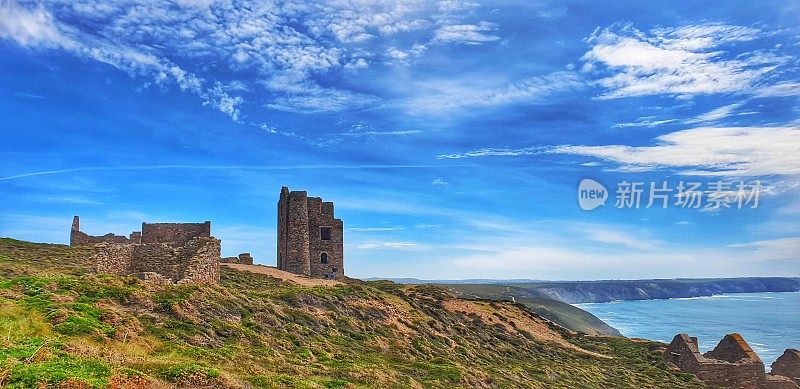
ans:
x=788 y=365
x=733 y=364
x=310 y=238
x=310 y=242
x=163 y=253
x=242 y=259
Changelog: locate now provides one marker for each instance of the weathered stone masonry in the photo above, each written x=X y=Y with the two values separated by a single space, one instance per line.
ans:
x=732 y=364
x=310 y=238
x=310 y=242
x=78 y=238
x=183 y=253
x=242 y=259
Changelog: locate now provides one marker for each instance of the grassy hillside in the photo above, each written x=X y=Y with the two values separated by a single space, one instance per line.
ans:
x=61 y=326
x=559 y=312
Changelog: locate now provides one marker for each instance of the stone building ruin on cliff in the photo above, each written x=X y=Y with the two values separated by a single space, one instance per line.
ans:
x=310 y=243
x=182 y=253
x=732 y=364
x=310 y=238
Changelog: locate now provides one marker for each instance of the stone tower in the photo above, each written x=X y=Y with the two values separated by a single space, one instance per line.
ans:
x=76 y=228
x=310 y=238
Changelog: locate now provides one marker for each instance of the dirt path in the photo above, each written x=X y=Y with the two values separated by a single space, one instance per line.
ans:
x=282 y=275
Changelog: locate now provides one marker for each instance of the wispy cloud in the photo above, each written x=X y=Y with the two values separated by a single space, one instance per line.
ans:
x=770 y=249
x=708 y=151
x=440 y=183
x=494 y=152
x=717 y=113
x=443 y=96
x=283 y=48
x=472 y=34
x=648 y=121
x=781 y=89
x=219 y=167
x=704 y=151
x=681 y=61
x=389 y=246
x=604 y=234
x=39 y=28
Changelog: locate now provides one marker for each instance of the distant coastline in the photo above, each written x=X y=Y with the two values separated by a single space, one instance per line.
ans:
x=579 y=292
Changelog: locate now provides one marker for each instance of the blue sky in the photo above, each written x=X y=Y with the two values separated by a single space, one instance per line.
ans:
x=452 y=135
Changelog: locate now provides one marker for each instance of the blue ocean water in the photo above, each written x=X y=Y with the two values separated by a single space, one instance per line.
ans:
x=769 y=322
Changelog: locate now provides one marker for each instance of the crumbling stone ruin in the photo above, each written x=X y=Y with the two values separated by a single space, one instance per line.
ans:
x=242 y=259
x=78 y=238
x=788 y=365
x=163 y=253
x=732 y=364
x=310 y=242
x=310 y=238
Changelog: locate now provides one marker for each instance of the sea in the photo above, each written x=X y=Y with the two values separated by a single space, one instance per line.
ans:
x=769 y=322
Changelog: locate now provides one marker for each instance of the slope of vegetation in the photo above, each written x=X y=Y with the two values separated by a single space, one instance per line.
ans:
x=569 y=316
x=62 y=326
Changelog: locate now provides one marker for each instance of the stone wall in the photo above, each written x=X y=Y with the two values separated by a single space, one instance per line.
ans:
x=79 y=238
x=732 y=348
x=731 y=364
x=199 y=260
x=113 y=258
x=301 y=247
x=196 y=262
x=155 y=258
x=174 y=233
x=325 y=256
x=293 y=243
x=242 y=259
x=788 y=365
x=184 y=253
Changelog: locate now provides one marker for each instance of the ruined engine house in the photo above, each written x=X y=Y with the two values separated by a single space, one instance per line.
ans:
x=310 y=237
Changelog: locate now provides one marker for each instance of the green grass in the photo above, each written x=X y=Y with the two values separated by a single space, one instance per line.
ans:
x=59 y=322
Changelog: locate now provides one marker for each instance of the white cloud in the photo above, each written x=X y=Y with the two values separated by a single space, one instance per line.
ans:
x=685 y=60
x=704 y=151
x=440 y=97
x=770 y=249
x=32 y=28
x=782 y=89
x=714 y=115
x=565 y=261
x=280 y=47
x=493 y=152
x=375 y=229
x=717 y=113
x=389 y=246
x=604 y=234
x=38 y=28
x=648 y=121
x=472 y=34
x=315 y=99
x=441 y=183
x=710 y=151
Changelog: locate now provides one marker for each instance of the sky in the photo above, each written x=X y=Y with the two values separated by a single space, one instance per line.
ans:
x=451 y=135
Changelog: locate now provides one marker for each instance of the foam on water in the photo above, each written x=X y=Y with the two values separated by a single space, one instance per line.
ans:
x=768 y=321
